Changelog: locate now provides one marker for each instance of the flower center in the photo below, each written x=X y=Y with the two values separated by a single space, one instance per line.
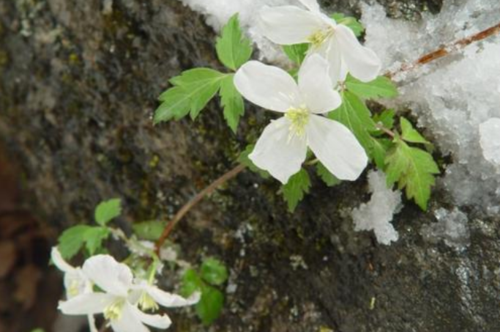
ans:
x=146 y=302
x=114 y=310
x=299 y=117
x=318 y=38
x=74 y=288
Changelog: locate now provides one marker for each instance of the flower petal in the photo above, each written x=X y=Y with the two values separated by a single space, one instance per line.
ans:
x=91 y=320
x=288 y=25
x=108 y=274
x=128 y=321
x=267 y=86
x=361 y=61
x=279 y=153
x=336 y=147
x=331 y=52
x=59 y=261
x=158 y=321
x=168 y=299
x=86 y=304
x=312 y=5
x=76 y=283
x=316 y=87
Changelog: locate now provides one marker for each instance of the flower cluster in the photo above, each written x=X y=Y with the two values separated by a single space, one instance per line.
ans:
x=104 y=286
x=334 y=52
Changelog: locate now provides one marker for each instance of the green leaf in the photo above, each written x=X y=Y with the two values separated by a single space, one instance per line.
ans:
x=232 y=102
x=93 y=237
x=210 y=306
x=243 y=159
x=350 y=22
x=354 y=114
x=176 y=104
x=201 y=85
x=71 y=240
x=325 y=175
x=233 y=49
x=191 y=282
x=379 y=150
x=381 y=87
x=107 y=210
x=192 y=91
x=296 y=188
x=386 y=118
x=297 y=53
x=413 y=169
x=214 y=272
x=410 y=134
x=149 y=230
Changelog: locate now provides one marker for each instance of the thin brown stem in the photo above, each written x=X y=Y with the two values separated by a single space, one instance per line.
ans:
x=189 y=205
x=445 y=50
x=386 y=131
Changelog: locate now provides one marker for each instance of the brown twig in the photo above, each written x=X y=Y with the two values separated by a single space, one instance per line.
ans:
x=445 y=50
x=189 y=205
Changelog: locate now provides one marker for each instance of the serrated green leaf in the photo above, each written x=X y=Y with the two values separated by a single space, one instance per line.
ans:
x=191 y=282
x=210 y=306
x=297 y=53
x=107 y=210
x=328 y=178
x=350 y=22
x=233 y=48
x=381 y=87
x=296 y=188
x=386 y=118
x=354 y=114
x=201 y=85
x=409 y=133
x=243 y=159
x=192 y=91
x=214 y=272
x=379 y=150
x=176 y=104
x=71 y=240
x=149 y=230
x=93 y=237
x=413 y=169
x=232 y=102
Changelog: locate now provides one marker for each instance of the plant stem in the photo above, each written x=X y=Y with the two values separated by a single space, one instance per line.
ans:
x=385 y=130
x=445 y=50
x=189 y=205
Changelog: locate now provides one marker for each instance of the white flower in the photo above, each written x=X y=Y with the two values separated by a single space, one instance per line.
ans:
x=282 y=148
x=122 y=298
x=75 y=281
x=288 y=25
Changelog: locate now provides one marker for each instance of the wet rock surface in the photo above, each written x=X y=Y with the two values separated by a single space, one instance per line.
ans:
x=79 y=80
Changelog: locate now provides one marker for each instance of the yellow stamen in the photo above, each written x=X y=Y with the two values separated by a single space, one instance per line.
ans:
x=299 y=117
x=114 y=310
x=318 y=38
x=146 y=302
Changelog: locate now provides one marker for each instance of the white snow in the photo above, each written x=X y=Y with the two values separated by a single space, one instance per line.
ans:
x=490 y=140
x=452 y=97
x=377 y=214
x=451 y=227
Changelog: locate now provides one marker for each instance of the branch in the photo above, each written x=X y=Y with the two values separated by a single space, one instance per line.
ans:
x=189 y=205
x=445 y=50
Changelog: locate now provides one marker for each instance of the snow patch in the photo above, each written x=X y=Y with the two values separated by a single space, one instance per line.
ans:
x=490 y=140
x=451 y=97
x=377 y=214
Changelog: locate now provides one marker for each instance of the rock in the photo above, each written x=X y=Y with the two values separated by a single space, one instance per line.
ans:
x=77 y=92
